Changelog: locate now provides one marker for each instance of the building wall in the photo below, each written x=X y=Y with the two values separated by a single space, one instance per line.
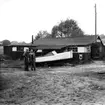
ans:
x=15 y=52
x=87 y=52
x=98 y=51
x=80 y=53
x=85 y=57
x=17 y=55
x=7 y=50
x=1 y=49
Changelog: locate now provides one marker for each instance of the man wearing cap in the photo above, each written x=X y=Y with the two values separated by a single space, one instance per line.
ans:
x=32 y=60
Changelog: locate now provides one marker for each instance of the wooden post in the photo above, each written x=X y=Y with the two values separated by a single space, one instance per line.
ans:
x=95 y=23
x=32 y=39
x=35 y=59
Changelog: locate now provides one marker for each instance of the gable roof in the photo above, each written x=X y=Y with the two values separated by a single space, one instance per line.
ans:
x=50 y=43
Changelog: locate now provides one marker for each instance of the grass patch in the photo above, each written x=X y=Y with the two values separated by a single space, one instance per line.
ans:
x=49 y=88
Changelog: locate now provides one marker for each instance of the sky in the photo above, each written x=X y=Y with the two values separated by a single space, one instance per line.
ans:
x=20 y=19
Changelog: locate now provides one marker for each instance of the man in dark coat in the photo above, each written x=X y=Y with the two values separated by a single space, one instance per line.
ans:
x=26 y=60
x=32 y=60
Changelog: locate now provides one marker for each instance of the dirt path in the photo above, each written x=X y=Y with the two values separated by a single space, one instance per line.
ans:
x=66 y=85
x=97 y=66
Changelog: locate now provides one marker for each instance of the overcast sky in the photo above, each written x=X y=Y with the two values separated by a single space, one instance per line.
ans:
x=19 y=19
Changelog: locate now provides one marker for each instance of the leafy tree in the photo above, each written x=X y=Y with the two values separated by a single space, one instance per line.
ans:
x=68 y=28
x=14 y=42
x=6 y=42
x=42 y=34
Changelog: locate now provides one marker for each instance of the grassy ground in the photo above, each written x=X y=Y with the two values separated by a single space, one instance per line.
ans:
x=79 y=85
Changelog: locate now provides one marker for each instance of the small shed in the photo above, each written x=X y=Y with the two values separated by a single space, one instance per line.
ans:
x=15 y=51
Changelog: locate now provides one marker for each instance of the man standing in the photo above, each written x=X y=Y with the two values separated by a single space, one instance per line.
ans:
x=32 y=60
x=26 y=60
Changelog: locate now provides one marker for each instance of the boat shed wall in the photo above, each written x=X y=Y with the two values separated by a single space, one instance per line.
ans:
x=81 y=43
x=15 y=51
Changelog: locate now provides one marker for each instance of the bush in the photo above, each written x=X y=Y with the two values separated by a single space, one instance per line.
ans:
x=6 y=42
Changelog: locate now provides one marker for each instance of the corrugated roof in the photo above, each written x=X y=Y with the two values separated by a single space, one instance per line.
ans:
x=85 y=40
x=58 y=43
x=49 y=47
x=20 y=44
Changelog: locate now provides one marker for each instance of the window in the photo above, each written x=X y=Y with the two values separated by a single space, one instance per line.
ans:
x=20 y=48
x=98 y=40
x=74 y=49
x=88 y=49
x=81 y=49
x=39 y=51
x=25 y=48
x=14 y=48
x=85 y=49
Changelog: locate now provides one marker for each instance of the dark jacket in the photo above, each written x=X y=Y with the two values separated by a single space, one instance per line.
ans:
x=26 y=57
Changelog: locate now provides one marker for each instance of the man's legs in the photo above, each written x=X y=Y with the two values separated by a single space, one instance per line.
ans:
x=31 y=65
x=34 y=67
x=26 y=67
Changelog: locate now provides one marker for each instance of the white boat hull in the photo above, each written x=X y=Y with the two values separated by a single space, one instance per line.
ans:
x=55 y=57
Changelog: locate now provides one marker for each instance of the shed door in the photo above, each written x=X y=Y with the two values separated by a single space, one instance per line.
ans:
x=96 y=51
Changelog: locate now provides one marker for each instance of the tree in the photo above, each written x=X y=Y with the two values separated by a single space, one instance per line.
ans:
x=42 y=34
x=6 y=42
x=68 y=28
x=14 y=42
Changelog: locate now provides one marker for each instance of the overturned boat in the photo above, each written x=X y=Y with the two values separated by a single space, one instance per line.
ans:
x=54 y=57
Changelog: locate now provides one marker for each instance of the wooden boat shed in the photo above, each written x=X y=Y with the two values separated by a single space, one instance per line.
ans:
x=15 y=51
x=84 y=48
